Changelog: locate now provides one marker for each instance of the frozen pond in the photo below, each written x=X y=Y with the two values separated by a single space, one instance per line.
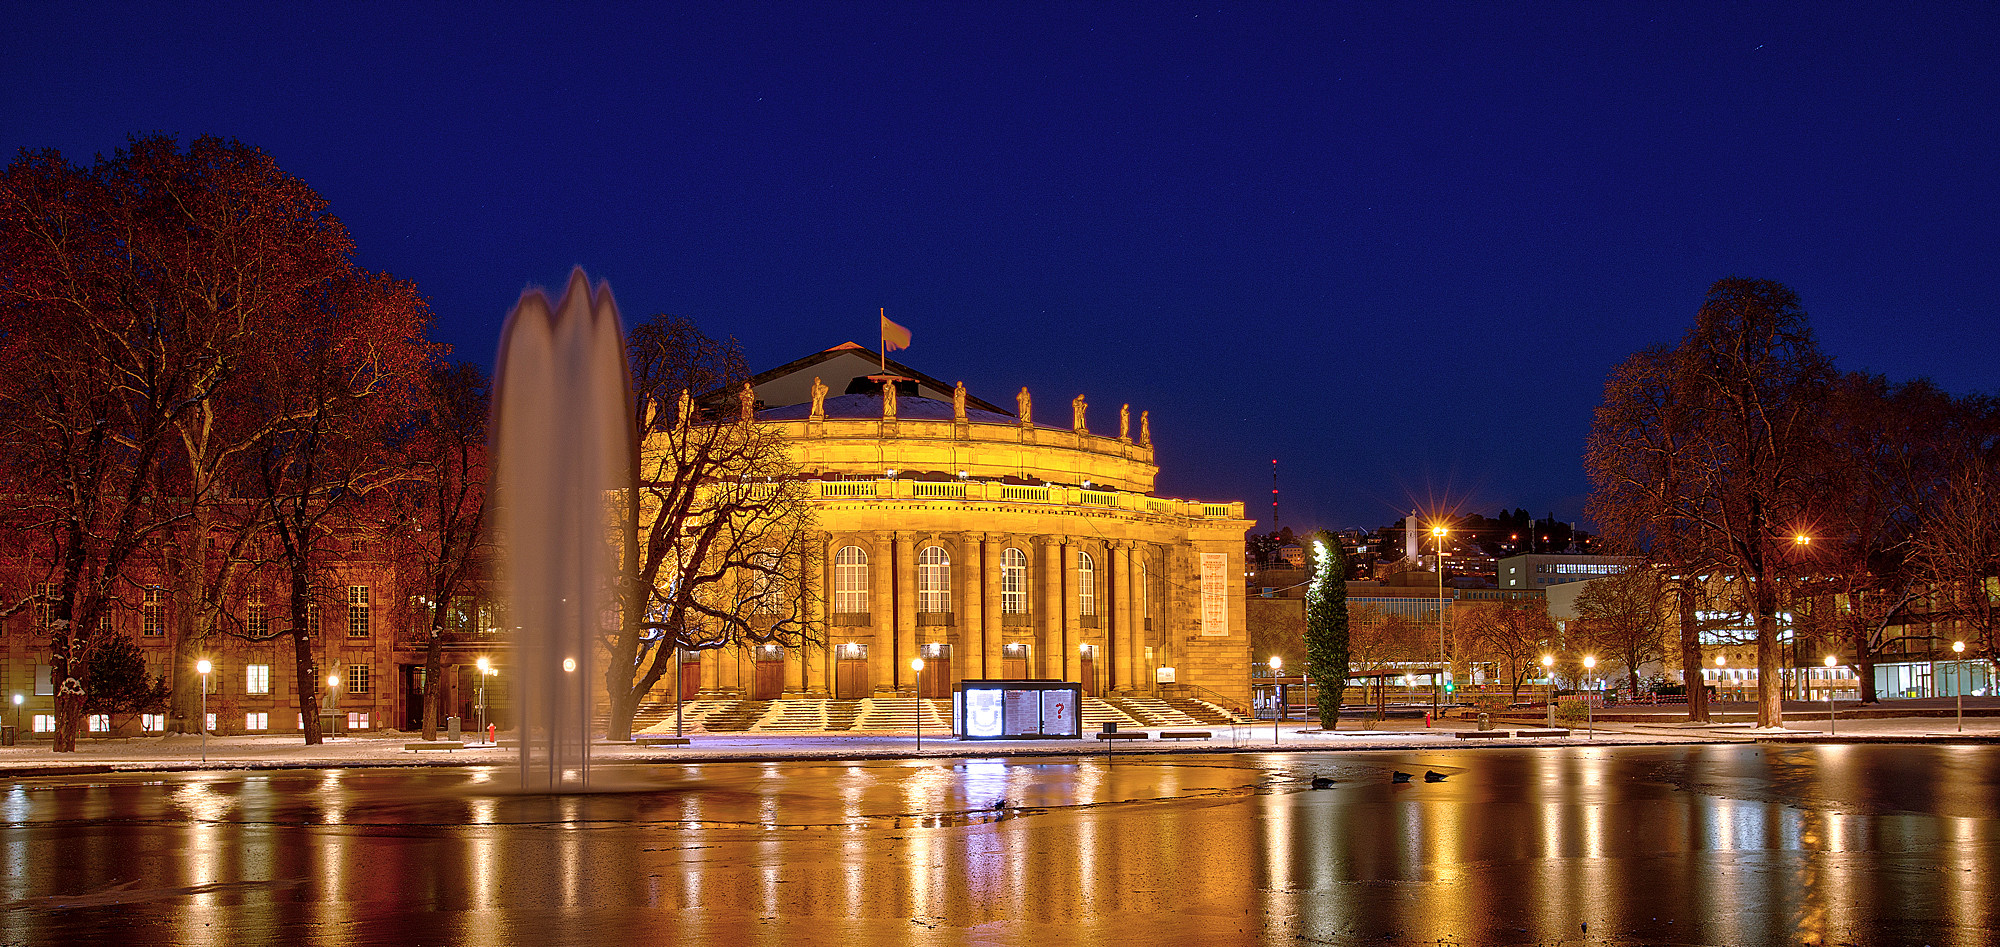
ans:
x=1858 y=844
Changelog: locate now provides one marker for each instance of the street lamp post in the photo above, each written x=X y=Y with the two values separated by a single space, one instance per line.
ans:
x=202 y=667
x=1589 y=705
x=1438 y=533
x=917 y=665
x=1278 y=688
x=1548 y=672
x=485 y=668
x=17 y=713
x=332 y=701
x=1829 y=695
x=1721 y=683
x=1959 y=670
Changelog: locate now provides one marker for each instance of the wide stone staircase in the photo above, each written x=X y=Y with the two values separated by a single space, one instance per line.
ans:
x=899 y=714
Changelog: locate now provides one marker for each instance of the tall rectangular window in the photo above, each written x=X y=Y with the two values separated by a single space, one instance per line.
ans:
x=312 y=619
x=154 y=612
x=850 y=581
x=933 y=580
x=1086 y=585
x=257 y=619
x=1013 y=582
x=45 y=605
x=357 y=611
x=357 y=678
x=257 y=679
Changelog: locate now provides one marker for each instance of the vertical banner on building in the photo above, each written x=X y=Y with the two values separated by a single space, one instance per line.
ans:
x=1214 y=595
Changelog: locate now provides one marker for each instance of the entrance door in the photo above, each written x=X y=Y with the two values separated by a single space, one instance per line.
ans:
x=850 y=678
x=1086 y=667
x=413 y=698
x=769 y=683
x=936 y=678
x=690 y=676
x=1014 y=662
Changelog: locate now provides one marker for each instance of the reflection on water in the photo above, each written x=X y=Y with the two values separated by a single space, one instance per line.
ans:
x=1731 y=845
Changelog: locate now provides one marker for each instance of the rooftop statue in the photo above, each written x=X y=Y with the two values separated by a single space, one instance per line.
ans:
x=889 y=400
x=1145 y=429
x=958 y=403
x=819 y=399
x=1025 y=407
x=747 y=401
x=1125 y=423
x=1076 y=407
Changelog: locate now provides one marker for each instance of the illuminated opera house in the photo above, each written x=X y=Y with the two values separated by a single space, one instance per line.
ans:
x=992 y=544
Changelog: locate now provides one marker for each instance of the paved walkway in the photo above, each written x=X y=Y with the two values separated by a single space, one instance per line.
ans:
x=171 y=753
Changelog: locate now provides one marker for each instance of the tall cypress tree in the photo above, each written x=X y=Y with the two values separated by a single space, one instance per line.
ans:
x=1326 y=626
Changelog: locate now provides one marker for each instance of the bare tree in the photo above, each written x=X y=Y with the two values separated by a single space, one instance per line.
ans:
x=721 y=542
x=1512 y=633
x=348 y=389
x=1959 y=548
x=437 y=512
x=1717 y=465
x=1626 y=616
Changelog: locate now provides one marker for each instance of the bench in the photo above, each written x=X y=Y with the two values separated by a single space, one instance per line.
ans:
x=1122 y=735
x=1484 y=734
x=1543 y=732
x=435 y=745
x=662 y=741
x=1185 y=734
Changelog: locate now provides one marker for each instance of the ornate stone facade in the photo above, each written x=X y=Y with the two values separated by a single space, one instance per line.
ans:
x=992 y=547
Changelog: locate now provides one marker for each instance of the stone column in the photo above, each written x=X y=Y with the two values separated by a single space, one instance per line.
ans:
x=991 y=545
x=818 y=588
x=906 y=611
x=1053 y=636
x=1129 y=662
x=1075 y=634
x=711 y=681
x=882 y=614
x=968 y=653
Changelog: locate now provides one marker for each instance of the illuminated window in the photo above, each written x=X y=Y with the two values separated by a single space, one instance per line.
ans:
x=357 y=611
x=260 y=720
x=153 y=615
x=153 y=723
x=100 y=723
x=45 y=723
x=257 y=679
x=357 y=678
x=1013 y=582
x=357 y=720
x=933 y=580
x=1086 y=585
x=850 y=581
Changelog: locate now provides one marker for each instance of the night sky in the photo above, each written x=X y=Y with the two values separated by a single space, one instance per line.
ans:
x=1395 y=247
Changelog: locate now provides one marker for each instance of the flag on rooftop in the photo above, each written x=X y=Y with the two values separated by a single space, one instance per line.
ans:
x=893 y=336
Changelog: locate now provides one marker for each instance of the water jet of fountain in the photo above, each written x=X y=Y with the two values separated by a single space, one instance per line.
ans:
x=564 y=453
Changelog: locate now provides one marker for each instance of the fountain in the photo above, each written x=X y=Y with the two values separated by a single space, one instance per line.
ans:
x=563 y=446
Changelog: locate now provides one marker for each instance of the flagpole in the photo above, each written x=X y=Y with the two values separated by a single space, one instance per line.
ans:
x=883 y=342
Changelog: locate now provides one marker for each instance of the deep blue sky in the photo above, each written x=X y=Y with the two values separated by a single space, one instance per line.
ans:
x=1396 y=247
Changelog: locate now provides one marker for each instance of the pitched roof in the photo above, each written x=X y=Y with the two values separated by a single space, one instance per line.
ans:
x=791 y=383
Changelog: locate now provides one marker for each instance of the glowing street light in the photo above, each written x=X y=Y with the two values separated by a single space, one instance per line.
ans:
x=1438 y=533
x=917 y=665
x=1958 y=653
x=17 y=713
x=1548 y=671
x=485 y=671
x=1277 y=686
x=202 y=667
x=1589 y=705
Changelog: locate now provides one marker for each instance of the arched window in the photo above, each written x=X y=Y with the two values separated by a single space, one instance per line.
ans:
x=1013 y=582
x=850 y=581
x=1086 y=585
x=933 y=580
